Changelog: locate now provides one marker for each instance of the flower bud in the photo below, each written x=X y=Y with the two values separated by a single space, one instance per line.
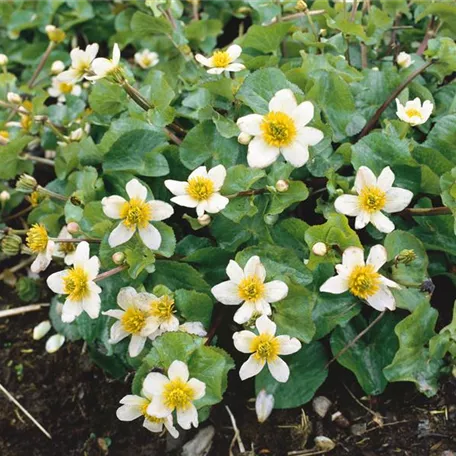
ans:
x=55 y=34
x=4 y=196
x=270 y=219
x=375 y=69
x=118 y=257
x=244 y=138
x=57 y=67
x=11 y=244
x=204 y=219
x=54 y=343
x=13 y=98
x=73 y=228
x=301 y=6
x=282 y=186
x=26 y=183
x=76 y=135
x=50 y=154
x=323 y=32
x=264 y=404
x=320 y=249
x=3 y=60
x=405 y=256
x=41 y=329
x=404 y=60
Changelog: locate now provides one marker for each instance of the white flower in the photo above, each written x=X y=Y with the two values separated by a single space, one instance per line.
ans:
x=57 y=67
x=5 y=196
x=134 y=319
x=247 y=286
x=362 y=279
x=282 y=131
x=83 y=294
x=81 y=64
x=193 y=327
x=202 y=190
x=3 y=59
x=175 y=392
x=103 y=67
x=146 y=59
x=265 y=348
x=60 y=88
x=413 y=113
x=38 y=242
x=222 y=60
x=135 y=406
x=374 y=196
x=54 y=343
x=136 y=214
x=41 y=329
x=76 y=135
x=264 y=404
x=404 y=60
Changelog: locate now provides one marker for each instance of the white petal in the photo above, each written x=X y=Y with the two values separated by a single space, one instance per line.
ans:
x=243 y=341
x=303 y=114
x=54 y=343
x=198 y=387
x=235 y=67
x=116 y=54
x=132 y=399
x=126 y=297
x=310 y=136
x=353 y=256
x=217 y=175
x=279 y=370
x=397 y=199
x=348 y=205
x=150 y=327
x=382 y=300
x=260 y=154
x=297 y=154
x=288 y=345
x=188 y=417
x=119 y=235
x=154 y=383
x=377 y=256
x=101 y=67
x=244 y=313
x=364 y=178
x=234 y=272
x=216 y=70
x=112 y=206
x=250 y=124
x=91 y=50
x=362 y=219
x=201 y=171
x=176 y=187
x=382 y=222
x=178 y=370
x=69 y=76
x=385 y=179
x=55 y=281
x=253 y=267
x=265 y=325
x=335 y=285
x=150 y=236
x=82 y=254
x=203 y=60
x=153 y=426
x=71 y=310
x=234 y=51
x=216 y=203
x=283 y=101
x=389 y=283
x=128 y=413
x=275 y=290
x=185 y=200
x=41 y=262
x=136 y=345
x=158 y=408
x=136 y=190
x=227 y=293
x=169 y=426
x=91 y=305
x=92 y=267
x=160 y=210
x=200 y=208
x=117 y=333
x=262 y=307
x=250 y=368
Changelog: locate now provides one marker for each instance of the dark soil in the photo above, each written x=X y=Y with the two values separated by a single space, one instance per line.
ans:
x=76 y=403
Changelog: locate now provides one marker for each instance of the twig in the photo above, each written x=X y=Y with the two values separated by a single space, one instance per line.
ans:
x=109 y=273
x=353 y=342
x=21 y=310
x=425 y=211
x=394 y=423
x=377 y=417
x=40 y=66
x=427 y=35
x=294 y=16
x=44 y=161
x=307 y=452
x=17 y=267
x=373 y=121
x=237 y=433
x=26 y=412
x=195 y=7
x=258 y=191
x=75 y=240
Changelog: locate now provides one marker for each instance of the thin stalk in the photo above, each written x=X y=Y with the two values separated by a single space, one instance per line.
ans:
x=76 y=240
x=426 y=211
x=17 y=267
x=424 y=44
x=40 y=66
x=50 y=193
x=195 y=8
x=292 y=17
x=18 y=214
x=44 y=161
x=21 y=310
x=110 y=273
x=258 y=191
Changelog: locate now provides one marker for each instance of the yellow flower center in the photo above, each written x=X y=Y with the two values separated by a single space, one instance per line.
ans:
x=177 y=394
x=372 y=199
x=148 y=417
x=133 y=320
x=34 y=198
x=26 y=122
x=364 y=281
x=67 y=247
x=27 y=105
x=265 y=347
x=37 y=238
x=278 y=129
x=146 y=60
x=135 y=213
x=162 y=308
x=65 y=87
x=200 y=188
x=412 y=112
x=76 y=284
x=221 y=59
x=4 y=134
x=251 y=288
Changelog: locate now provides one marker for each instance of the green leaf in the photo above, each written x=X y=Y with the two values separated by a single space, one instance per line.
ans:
x=448 y=185
x=291 y=233
x=240 y=178
x=194 y=306
x=69 y=330
x=265 y=39
x=280 y=201
x=107 y=99
x=307 y=372
x=144 y=25
x=442 y=137
x=157 y=90
x=11 y=163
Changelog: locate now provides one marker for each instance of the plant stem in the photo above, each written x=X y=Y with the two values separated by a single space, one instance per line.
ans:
x=44 y=161
x=373 y=121
x=17 y=267
x=21 y=310
x=76 y=240
x=425 y=211
x=110 y=273
x=40 y=66
x=292 y=17
x=50 y=193
x=427 y=35
x=258 y=191
x=18 y=214
x=195 y=7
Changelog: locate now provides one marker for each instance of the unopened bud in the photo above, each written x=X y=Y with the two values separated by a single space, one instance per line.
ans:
x=404 y=60
x=50 y=154
x=13 y=98
x=301 y=6
x=41 y=329
x=118 y=257
x=54 y=343
x=204 y=219
x=57 y=67
x=4 y=196
x=244 y=138
x=339 y=192
x=405 y=256
x=11 y=244
x=320 y=249
x=264 y=404
x=73 y=228
x=271 y=219
x=76 y=135
x=323 y=32
x=26 y=183
x=55 y=34
x=375 y=69
x=282 y=185
x=3 y=60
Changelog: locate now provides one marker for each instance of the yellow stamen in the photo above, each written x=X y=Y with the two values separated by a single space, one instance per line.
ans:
x=200 y=188
x=363 y=281
x=27 y=105
x=177 y=394
x=372 y=199
x=37 y=238
x=134 y=320
x=265 y=347
x=413 y=112
x=34 y=198
x=76 y=284
x=26 y=122
x=135 y=213
x=65 y=87
x=278 y=129
x=251 y=288
x=221 y=59
x=162 y=308
x=4 y=134
x=67 y=247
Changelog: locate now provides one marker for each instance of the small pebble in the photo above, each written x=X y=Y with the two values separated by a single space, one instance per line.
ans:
x=340 y=420
x=358 y=429
x=323 y=443
x=321 y=405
